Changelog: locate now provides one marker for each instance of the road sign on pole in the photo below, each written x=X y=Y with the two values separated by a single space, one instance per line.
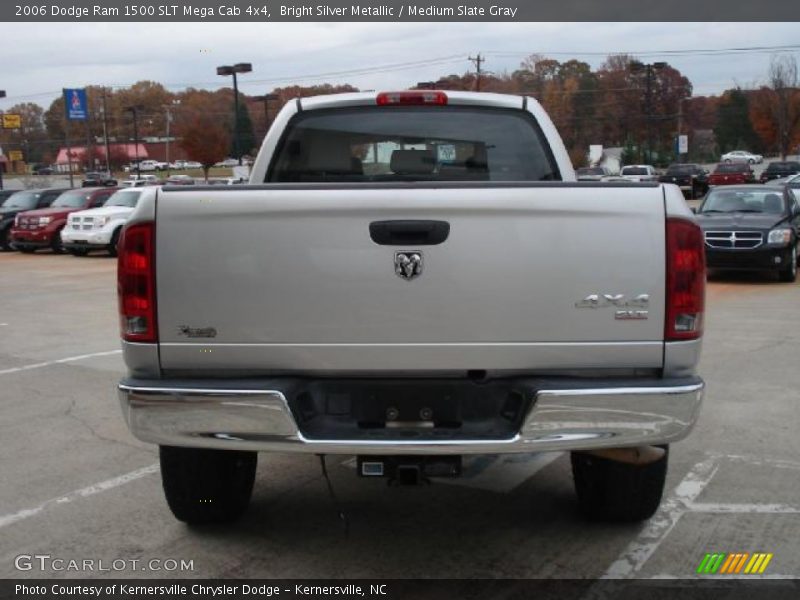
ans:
x=11 y=121
x=14 y=155
x=75 y=105
x=683 y=144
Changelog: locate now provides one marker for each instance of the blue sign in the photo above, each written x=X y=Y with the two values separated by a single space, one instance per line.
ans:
x=75 y=104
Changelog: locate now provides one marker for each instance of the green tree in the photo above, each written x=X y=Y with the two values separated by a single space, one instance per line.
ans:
x=734 y=130
x=244 y=127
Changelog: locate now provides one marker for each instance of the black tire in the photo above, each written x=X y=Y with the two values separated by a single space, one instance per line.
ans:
x=56 y=246
x=613 y=491
x=4 y=247
x=78 y=251
x=27 y=250
x=207 y=486
x=789 y=274
x=112 y=245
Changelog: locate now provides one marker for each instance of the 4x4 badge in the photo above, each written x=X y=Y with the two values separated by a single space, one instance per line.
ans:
x=408 y=264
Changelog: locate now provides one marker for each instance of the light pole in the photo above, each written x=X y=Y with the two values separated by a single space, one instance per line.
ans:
x=649 y=70
x=266 y=99
x=2 y=95
x=105 y=134
x=169 y=108
x=133 y=110
x=233 y=70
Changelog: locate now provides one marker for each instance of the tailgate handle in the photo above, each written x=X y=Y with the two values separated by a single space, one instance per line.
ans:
x=402 y=233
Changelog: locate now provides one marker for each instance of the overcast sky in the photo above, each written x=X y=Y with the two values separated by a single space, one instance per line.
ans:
x=40 y=59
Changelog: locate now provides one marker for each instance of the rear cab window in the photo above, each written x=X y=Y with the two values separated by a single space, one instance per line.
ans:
x=390 y=144
x=732 y=168
x=634 y=171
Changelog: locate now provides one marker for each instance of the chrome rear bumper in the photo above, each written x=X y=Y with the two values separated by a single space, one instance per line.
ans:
x=571 y=416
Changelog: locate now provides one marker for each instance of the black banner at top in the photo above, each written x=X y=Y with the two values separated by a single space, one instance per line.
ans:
x=265 y=11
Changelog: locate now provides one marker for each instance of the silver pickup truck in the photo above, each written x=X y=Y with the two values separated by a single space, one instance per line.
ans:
x=412 y=277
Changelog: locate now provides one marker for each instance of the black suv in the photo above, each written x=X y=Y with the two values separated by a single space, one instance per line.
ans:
x=690 y=177
x=751 y=227
x=776 y=170
x=98 y=180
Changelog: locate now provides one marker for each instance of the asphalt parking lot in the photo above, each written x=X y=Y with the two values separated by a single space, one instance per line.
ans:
x=77 y=486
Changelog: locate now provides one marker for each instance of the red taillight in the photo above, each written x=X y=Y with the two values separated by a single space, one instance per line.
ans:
x=136 y=283
x=686 y=280
x=416 y=98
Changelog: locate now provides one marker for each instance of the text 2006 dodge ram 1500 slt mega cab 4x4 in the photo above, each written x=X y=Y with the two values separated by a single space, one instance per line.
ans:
x=412 y=277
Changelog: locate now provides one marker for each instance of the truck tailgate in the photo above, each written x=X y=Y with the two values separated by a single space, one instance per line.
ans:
x=287 y=278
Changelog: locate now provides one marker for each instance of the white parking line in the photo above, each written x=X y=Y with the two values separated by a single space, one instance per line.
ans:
x=82 y=493
x=682 y=501
x=58 y=362
x=720 y=508
x=658 y=528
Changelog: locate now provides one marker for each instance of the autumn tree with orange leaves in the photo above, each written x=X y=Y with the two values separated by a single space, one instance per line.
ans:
x=202 y=130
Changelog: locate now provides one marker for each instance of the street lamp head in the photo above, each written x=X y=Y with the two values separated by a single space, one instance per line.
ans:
x=242 y=67
x=2 y=93
x=635 y=66
x=659 y=65
x=225 y=70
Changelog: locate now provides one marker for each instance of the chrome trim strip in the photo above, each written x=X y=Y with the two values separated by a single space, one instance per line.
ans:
x=560 y=419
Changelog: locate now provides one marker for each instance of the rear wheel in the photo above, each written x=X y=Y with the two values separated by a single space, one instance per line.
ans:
x=207 y=486
x=614 y=491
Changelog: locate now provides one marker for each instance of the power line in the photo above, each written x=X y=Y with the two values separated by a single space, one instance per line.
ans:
x=454 y=58
x=684 y=52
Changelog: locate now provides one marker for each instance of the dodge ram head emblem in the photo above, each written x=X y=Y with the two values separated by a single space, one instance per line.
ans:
x=408 y=264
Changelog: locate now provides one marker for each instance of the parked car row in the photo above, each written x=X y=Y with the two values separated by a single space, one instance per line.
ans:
x=77 y=220
x=74 y=220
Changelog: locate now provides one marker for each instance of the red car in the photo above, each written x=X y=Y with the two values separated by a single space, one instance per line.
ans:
x=41 y=228
x=734 y=173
